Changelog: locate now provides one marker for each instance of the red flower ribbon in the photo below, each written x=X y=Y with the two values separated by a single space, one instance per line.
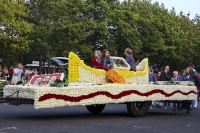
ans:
x=97 y=64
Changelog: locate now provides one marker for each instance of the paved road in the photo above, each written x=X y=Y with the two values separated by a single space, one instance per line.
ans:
x=114 y=119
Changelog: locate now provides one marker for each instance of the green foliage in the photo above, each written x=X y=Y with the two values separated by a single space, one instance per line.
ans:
x=14 y=29
x=62 y=26
x=57 y=83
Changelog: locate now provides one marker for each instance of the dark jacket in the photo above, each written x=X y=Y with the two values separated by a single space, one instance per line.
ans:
x=110 y=64
x=130 y=60
x=152 y=77
x=178 y=78
x=192 y=79
x=165 y=77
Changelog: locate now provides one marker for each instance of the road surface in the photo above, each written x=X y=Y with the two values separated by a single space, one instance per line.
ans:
x=114 y=119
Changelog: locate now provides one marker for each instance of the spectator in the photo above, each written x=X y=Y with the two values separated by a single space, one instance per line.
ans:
x=176 y=78
x=191 y=76
x=158 y=104
x=165 y=76
x=152 y=77
x=129 y=58
x=44 y=71
x=183 y=74
x=199 y=89
x=158 y=76
x=5 y=71
x=1 y=68
x=10 y=71
x=18 y=72
x=27 y=72
x=1 y=72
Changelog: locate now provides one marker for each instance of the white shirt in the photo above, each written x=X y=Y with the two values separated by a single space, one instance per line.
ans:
x=18 y=73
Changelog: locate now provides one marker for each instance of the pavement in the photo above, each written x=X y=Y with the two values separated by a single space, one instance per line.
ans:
x=114 y=119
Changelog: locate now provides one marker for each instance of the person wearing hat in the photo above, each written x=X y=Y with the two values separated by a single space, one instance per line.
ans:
x=174 y=79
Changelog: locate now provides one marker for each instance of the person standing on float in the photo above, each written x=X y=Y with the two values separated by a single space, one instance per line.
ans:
x=129 y=59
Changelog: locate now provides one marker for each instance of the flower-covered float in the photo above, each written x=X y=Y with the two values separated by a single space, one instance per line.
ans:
x=91 y=87
x=2 y=84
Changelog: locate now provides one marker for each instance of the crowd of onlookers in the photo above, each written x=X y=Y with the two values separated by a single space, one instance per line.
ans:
x=25 y=72
x=6 y=73
x=22 y=72
x=190 y=74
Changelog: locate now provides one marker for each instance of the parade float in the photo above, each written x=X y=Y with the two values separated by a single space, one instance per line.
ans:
x=94 y=88
x=2 y=84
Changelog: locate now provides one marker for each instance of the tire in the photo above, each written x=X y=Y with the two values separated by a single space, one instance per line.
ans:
x=96 y=109
x=138 y=109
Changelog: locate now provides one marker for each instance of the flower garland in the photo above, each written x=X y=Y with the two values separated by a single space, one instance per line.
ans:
x=108 y=94
x=49 y=97
x=115 y=77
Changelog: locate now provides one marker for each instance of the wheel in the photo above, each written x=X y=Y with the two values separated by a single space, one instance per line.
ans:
x=97 y=108
x=138 y=109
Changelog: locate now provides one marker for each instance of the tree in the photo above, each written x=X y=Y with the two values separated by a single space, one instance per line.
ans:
x=151 y=30
x=196 y=33
x=14 y=29
x=41 y=20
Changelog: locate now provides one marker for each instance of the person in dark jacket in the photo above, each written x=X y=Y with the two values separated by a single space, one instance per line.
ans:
x=165 y=76
x=129 y=59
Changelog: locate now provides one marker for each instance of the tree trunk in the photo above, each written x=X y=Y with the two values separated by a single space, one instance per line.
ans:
x=40 y=65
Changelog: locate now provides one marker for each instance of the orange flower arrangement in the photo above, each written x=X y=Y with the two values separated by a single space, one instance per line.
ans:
x=115 y=77
x=111 y=74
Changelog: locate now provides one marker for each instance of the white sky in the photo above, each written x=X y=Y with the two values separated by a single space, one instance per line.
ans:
x=187 y=6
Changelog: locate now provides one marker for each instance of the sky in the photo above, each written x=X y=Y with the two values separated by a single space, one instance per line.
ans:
x=187 y=6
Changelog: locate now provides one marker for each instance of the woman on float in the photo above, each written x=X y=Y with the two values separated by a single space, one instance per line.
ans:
x=106 y=61
x=129 y=59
